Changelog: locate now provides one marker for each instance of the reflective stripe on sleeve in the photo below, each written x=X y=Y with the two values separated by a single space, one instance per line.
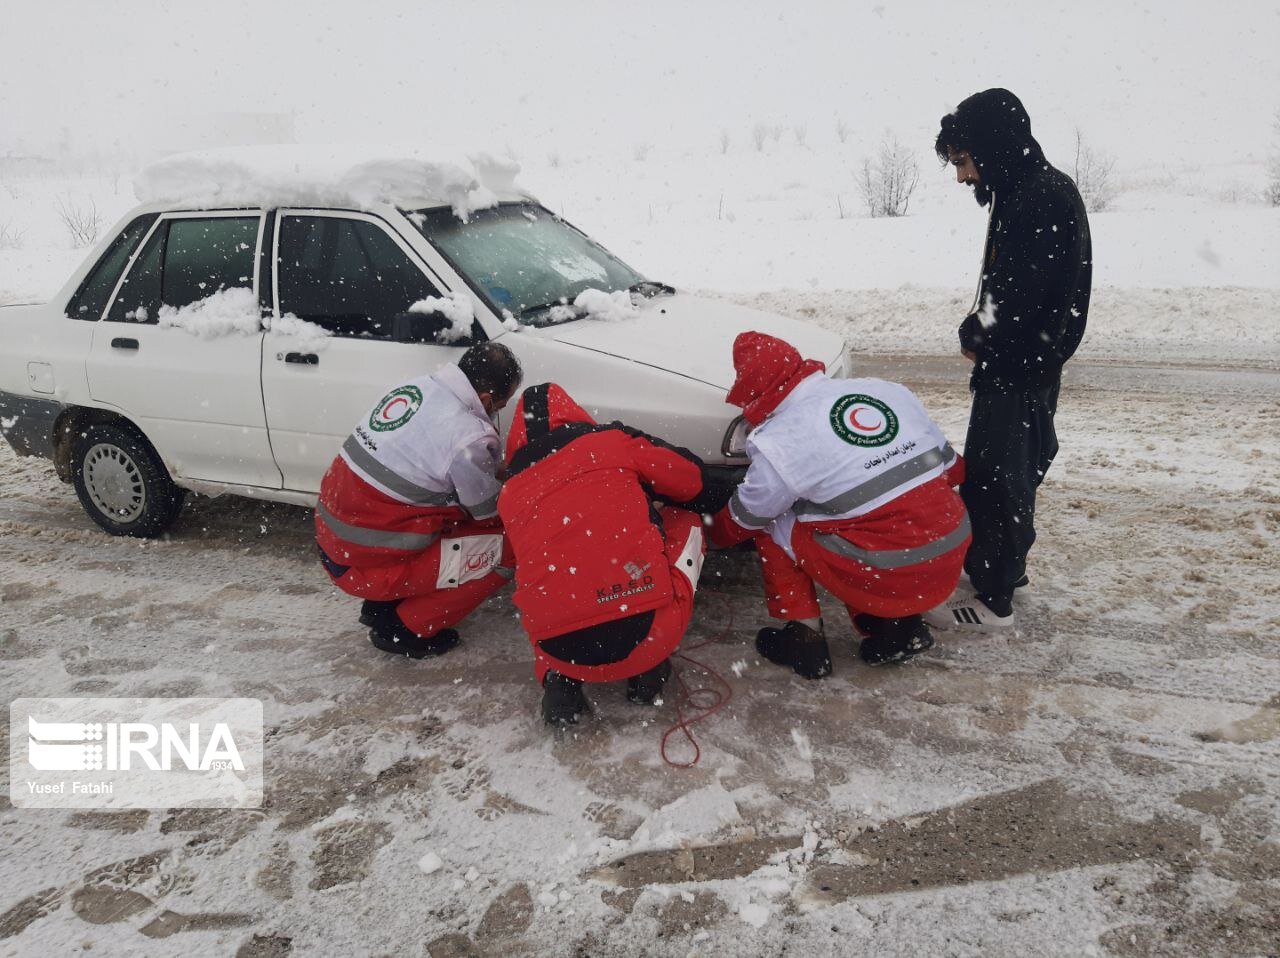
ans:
x=880 y=485
x=384 y=476
x=483 y=510
x=895 y=558
x=376 y=538
x=745 y=517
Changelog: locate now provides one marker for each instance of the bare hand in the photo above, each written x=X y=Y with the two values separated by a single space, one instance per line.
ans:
x=970 y=355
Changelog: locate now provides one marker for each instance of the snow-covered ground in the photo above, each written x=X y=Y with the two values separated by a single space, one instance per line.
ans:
x=1104 y=781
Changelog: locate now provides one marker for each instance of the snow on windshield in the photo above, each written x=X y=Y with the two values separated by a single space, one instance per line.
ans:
x=328 y=176
x=609 y=307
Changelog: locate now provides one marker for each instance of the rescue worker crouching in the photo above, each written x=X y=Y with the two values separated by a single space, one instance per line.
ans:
x=850 y=486
x=608 y=542
x=407 y=515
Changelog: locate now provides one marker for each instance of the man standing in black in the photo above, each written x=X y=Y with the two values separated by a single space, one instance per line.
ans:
x=1027 y=320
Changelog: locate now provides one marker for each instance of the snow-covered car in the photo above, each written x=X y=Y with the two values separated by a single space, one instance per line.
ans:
x=228 y=333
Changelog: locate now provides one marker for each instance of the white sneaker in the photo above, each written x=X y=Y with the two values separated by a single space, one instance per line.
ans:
x=965 y=611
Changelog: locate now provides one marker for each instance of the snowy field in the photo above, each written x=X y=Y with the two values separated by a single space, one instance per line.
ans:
x=1104 y=781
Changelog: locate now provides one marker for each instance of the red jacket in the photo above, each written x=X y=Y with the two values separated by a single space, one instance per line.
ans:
x=577 y=510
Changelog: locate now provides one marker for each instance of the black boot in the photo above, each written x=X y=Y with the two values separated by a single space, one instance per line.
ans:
x=798 y=646
x=646 y=686
x=389 y=634
x=379 y=615
x=562 y=699
x=891 y=640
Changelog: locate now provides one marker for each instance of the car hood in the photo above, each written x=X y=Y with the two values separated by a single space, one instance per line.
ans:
x=693 y=336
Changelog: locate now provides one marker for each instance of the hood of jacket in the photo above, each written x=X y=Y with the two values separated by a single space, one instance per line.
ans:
x=541 y=409
x=767 y=370
x=994 y=127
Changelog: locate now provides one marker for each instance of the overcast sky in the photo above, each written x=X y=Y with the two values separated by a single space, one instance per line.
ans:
x=1192 y=81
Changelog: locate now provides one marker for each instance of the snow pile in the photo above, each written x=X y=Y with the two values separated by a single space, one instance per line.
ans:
x=455 y=307
x=309 y=336
x=234 y=312
x=430 y=863
x=226 y=312
x=609 y=307
x=693 y=816
x=328 y=176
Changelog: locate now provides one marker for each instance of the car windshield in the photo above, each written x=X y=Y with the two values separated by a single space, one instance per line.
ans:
x=524 y=259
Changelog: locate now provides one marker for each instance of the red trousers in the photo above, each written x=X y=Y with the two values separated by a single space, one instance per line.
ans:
x=427 y=606
x=684 y=538
x=790 y=592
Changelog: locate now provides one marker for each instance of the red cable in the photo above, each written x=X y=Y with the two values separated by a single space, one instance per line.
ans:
x=687 y=696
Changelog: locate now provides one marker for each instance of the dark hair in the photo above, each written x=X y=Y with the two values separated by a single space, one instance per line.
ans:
x=950 y=139
x=491 y=368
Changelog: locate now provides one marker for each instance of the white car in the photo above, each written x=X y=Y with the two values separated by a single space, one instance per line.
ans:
x=226 y=335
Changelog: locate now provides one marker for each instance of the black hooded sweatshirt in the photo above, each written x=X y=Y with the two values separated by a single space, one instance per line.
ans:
x=1038 y=259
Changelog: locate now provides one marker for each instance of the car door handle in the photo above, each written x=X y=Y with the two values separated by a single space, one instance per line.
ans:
x=121 y=342
x=302 y=359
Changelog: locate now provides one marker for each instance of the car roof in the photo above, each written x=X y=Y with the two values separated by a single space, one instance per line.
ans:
x=326 y=178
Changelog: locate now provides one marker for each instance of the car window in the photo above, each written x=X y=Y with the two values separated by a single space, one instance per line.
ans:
x=346 y=275
x=186 y=260
x=90 y=299
x=203 y=256
x=522 y=258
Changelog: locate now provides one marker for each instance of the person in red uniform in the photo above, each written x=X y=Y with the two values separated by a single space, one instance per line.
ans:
x=407 y=515
x=608 y=542
x=850 y=486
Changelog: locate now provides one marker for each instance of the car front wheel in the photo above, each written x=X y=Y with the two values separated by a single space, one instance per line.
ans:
x=122 y=483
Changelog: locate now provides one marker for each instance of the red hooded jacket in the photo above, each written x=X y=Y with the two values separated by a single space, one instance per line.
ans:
x=577 y=507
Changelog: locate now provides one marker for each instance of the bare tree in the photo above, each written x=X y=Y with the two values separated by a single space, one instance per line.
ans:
x=759 y=133
x=1273 y=168
x=724 y=140
x=888 y=180
x=80 y=219
x=842 y=129
x=9 y=237
x=553 y=159
x=1094 y=175
x=801 y=133
x=640 y=151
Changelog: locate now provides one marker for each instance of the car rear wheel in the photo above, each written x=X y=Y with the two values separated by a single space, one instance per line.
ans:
x=122 y=483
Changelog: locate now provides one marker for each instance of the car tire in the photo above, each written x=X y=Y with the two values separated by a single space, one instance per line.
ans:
x=122 y=483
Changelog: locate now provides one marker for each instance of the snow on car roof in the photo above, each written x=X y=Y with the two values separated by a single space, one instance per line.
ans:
x=329 y=176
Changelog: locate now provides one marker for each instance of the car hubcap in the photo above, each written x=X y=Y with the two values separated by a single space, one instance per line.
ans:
x=114 y=483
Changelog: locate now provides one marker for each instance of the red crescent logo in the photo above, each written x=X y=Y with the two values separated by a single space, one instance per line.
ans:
x=853 y=421
x=387 y=409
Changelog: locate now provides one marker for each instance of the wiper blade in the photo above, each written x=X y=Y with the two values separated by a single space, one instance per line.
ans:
x=541 y=306
x=649 y=288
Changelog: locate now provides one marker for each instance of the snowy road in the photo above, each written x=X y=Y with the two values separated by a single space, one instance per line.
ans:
x=1106 y=780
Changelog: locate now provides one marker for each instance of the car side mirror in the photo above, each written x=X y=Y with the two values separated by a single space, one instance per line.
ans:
x=423 y=328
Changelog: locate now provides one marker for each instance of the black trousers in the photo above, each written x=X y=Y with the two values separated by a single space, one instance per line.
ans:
x=1010 y=444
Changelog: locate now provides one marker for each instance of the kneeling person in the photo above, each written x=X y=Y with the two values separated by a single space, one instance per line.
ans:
x=605 y=576
x=407 y=517
x=850 y=485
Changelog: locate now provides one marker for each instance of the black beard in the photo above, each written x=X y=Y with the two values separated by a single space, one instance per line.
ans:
x=982 y=194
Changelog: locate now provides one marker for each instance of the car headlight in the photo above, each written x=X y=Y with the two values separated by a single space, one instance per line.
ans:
x=735 y=439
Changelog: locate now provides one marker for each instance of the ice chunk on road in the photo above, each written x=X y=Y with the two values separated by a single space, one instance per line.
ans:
x=430 y=863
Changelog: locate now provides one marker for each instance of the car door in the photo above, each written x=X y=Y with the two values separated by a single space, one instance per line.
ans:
x=179 y=351
x=344 y=275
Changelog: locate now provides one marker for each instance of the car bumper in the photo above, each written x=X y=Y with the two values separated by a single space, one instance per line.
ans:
x=28 y=423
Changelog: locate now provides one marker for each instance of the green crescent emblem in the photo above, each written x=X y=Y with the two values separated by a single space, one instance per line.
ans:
x=396 y=409
x=862 y=420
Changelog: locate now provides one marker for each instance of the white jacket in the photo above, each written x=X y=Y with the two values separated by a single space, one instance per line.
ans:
x=429 y=442
x=836 y=449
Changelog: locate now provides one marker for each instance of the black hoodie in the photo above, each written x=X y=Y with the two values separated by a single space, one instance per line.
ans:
x=1038 y=259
